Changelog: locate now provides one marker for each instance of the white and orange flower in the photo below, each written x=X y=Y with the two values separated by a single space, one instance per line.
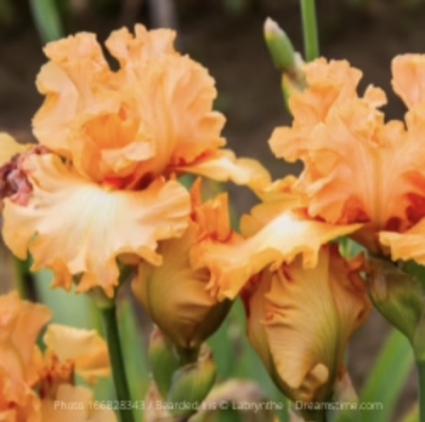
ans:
x=104 y=187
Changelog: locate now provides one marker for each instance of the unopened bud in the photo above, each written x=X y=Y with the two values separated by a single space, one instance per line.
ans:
x=279 y=45
x=400 y=297
x=192 y=383
x=162 y=361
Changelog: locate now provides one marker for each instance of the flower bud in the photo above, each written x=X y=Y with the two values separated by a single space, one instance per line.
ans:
x=400 y=297
x=299 y=322
x=279 y=45
x=177 y=296
x=192 y=383
x=163 y=362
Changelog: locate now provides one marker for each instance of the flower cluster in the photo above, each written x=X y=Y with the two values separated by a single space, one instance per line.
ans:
x=100 y=191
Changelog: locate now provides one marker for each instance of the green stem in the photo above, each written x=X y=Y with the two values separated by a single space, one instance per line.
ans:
x=421 y=376
x=23 y=279
x=117 y=361
x=311 y=37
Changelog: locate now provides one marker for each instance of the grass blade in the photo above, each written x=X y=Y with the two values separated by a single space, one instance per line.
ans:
x=387 y=378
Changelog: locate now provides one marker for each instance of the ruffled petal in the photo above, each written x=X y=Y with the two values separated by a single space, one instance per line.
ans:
x=85 y=348
x=73 y=81
x=408 y=245
x=223 y=166
x=9 y=148
x=152 y=114
x=329 y=86
x=20 y=325
x=76 y=227
x=359 y=169
x=308 y=316
x=75 y=404
x=409 y=78
x=279 y=240
x=133 y=51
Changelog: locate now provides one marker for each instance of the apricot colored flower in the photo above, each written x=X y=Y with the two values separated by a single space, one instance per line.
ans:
x=274 y=234
x=175 y=294
x=104 y=187
x=299 y=321
x=357 y=167
x=36 y=387
x=409 y=84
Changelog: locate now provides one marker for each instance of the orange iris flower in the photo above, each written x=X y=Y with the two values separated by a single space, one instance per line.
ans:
x=102 y=188
x=358 y=168
x=36 y=388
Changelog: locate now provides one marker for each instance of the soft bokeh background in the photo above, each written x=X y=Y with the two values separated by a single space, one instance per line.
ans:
x=226 y=36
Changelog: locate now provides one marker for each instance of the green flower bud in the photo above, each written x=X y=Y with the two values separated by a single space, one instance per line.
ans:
x=279 y=45
x=400 y=297
x=192 y=383
x=162 y=361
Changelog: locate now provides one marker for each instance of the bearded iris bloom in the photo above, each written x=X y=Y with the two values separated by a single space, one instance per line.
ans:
x=103 y=187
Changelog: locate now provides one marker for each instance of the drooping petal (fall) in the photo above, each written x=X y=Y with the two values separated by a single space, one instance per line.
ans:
x=75 y=404
x=276 y=235
x=77 y=227
x=307 y=317
x=407 y=245
x=85 y=348
x=20 y=325
x=409 y=78
x=175 y=294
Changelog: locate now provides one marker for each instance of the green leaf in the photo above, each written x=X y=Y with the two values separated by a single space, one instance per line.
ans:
x=47 y=19
x=69 y=308
x=387 y=378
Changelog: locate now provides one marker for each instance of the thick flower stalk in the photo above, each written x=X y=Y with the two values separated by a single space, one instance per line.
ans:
x=37 y=387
